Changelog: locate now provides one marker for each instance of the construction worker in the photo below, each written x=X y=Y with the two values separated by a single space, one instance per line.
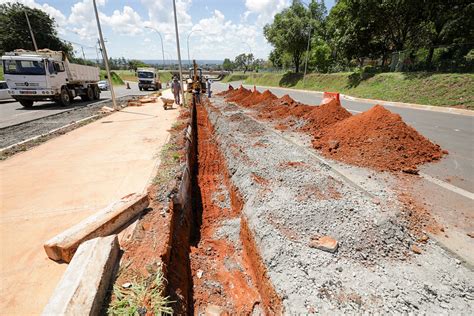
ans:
x=208 y=84
x=176 y=88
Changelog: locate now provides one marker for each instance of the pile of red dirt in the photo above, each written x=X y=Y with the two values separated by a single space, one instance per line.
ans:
x=264 y=99
x=240 y=94
x=324 y=115
x=277 y=108
x=378 y=139
x=225 y=92
x=250 y=99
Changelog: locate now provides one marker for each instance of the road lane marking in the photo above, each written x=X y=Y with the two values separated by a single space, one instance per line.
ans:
x=448 y=186
x=355 y=111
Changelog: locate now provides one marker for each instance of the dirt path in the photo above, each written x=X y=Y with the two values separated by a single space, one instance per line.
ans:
x=52 y=187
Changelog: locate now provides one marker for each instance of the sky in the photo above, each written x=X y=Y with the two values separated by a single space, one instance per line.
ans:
x=220 y=28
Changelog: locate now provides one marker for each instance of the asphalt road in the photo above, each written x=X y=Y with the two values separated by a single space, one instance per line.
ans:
x=13 y=113
x=452 y=132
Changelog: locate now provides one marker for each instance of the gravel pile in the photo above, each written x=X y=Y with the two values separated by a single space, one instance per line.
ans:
x=290 y=199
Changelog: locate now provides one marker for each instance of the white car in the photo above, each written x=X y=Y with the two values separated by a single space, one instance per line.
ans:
x=103 y=85
x=4 y=95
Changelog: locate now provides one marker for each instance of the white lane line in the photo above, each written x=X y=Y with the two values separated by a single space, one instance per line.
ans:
x=355 y=111
x=448 y=186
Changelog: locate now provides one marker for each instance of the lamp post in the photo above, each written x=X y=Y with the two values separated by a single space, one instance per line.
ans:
x=179 y=52
x=307 y=48
x=106 y=58
x=187 y=42
x=162 y=47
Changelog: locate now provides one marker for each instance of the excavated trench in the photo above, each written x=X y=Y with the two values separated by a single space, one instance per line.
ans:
x=214 y=265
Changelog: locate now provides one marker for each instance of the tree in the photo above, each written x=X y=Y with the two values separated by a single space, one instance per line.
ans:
x=291 y=28
x=227 y=65
x=14 y=32
x=244 y=61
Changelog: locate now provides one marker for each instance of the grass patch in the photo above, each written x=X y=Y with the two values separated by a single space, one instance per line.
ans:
x=143 y=296
x=448 y=89
x=116 y=80
x=130 y=75
x=1 y=74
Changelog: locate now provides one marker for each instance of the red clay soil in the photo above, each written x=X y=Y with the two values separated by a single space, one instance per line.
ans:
x=378 y=139
x=239 y=95
x=250 y=99
x=225 y=92
x=218 y=268
x=322 y=116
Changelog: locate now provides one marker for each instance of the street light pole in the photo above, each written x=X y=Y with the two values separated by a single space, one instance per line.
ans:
x=187 y=43
x=106 y=58
x=179 y=52
x=31 y=32
x=162 y=47
x=307 y=48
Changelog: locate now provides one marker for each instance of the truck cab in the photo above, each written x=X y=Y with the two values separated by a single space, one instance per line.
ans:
x=39 y=76
x=148 y=79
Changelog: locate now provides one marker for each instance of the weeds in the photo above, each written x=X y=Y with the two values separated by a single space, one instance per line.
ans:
x=145 y=294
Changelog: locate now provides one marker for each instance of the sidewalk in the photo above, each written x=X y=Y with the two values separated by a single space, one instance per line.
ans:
x=53 y=186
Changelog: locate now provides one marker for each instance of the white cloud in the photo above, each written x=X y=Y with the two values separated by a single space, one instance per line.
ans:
x=265 y=9
x=126 y=22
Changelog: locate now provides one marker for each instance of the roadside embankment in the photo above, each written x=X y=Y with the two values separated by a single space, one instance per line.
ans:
x=439 y=89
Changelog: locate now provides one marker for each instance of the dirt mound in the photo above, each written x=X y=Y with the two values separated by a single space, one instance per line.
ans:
x=225 y=92
x=378 y=139
x=250 y=99
x=239 y=95
x=325 y=115
x=264 y=99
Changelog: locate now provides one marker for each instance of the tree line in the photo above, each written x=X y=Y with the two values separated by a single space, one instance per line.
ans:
x=406 y=34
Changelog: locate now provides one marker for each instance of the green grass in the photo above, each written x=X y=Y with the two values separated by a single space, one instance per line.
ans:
x=144 y=293
x=450 y=89
x=1 y=74
x=116 y=80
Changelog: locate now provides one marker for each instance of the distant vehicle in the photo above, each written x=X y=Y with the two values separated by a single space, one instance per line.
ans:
x=48 y=75
x=4 y=95
x=103 y=85
x=148 y=79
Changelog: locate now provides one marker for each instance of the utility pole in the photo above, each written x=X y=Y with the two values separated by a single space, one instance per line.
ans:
x=31 y=32
x=179 y=52
x=162 y=47
x=106 y=58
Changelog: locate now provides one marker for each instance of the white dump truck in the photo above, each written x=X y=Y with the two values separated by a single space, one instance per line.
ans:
x=48 y=75
x=148 y=79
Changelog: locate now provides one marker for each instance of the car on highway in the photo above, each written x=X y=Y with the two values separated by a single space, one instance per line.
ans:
x=4 y=95
x=103 y=85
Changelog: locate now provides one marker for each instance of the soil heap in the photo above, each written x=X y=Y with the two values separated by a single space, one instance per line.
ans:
x=240 y=94
x=250 y=99
x=326 y=114
x=378 y=139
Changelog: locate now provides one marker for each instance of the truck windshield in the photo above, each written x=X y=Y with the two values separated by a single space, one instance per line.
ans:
x=142 y=74
x=23 y=67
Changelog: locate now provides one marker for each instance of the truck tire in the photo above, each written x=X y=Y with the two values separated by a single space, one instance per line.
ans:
x=64 y=97
x=96 y=92
x=26 y=103
x=89 y=96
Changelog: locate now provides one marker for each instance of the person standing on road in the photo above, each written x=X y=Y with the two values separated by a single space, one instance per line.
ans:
x=208 y=83
x=176 y=88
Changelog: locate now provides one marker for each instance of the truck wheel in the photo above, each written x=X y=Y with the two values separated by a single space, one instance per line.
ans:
x=64 y=98
x=89 y=96
x=26 y=103
x=96 y=93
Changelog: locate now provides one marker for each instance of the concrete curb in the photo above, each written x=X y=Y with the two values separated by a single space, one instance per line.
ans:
x=84 y=285
x=105 y=222
x=382 y=102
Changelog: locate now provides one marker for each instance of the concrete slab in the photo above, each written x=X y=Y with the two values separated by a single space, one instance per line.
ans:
x=84 y=285
x=103 y=223
x=54 y=186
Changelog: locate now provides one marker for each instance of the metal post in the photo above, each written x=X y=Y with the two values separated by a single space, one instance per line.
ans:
x=162 y=46
x=307 y=48
x=31 y=31
x=179 y=52
x=83 y=55
x=106 y=58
